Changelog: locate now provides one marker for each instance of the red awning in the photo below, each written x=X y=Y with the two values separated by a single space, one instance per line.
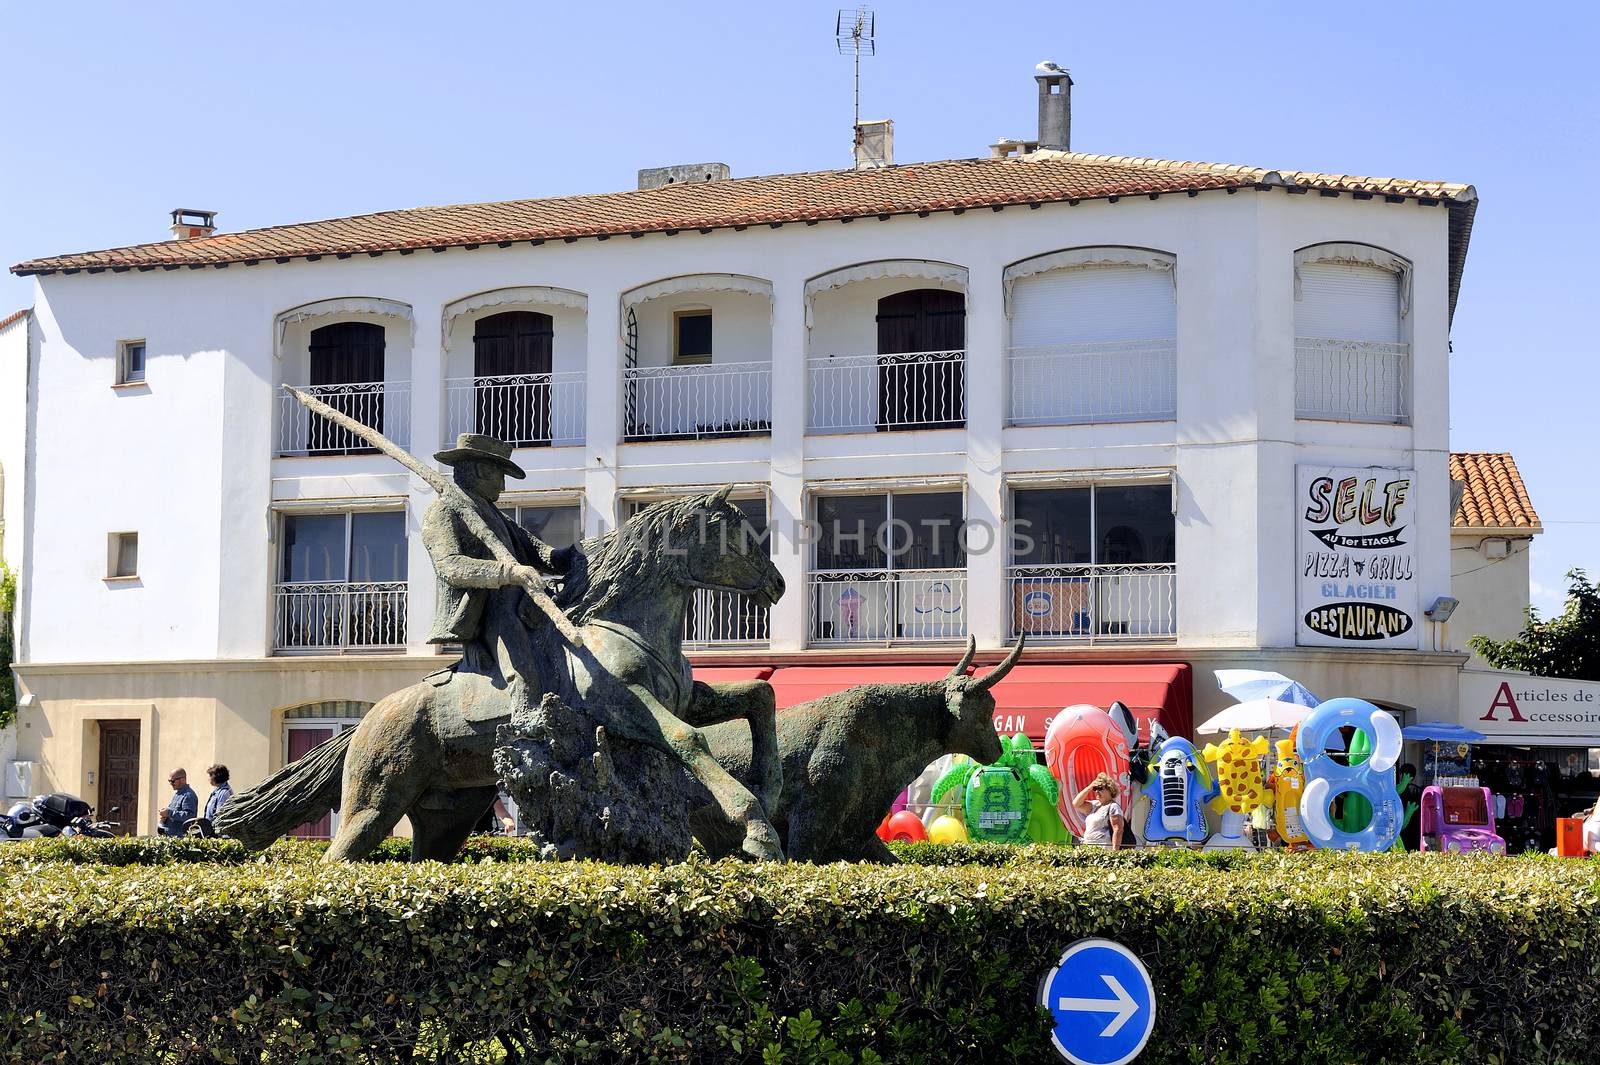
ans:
x=801 y=684
x=728 y=674
x=1031 y=695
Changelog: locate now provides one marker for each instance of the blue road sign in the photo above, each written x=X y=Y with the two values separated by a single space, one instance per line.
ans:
x=1103 y=1001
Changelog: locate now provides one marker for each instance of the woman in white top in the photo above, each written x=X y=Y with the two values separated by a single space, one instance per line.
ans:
x=1103 y=827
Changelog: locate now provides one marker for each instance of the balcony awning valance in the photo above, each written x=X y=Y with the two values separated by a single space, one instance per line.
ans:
x=1358 y=255
x=368 y=305
x=947 y=275
x=669 y=286
x=520 y=295
x=1076 y=257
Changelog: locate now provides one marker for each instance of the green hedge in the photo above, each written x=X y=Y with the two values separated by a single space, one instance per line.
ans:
x=157 y=850
x=1256 y=958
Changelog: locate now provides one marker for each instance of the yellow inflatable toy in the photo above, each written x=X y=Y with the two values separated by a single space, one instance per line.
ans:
x=1238 y=763
x=1288 y=783
x=947 y=829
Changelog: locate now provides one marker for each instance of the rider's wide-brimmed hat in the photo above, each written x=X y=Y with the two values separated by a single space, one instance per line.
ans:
x=476 y=447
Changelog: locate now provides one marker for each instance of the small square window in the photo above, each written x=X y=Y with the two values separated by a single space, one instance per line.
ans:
x=123 y=555
x=130 y=362
x=692 y=336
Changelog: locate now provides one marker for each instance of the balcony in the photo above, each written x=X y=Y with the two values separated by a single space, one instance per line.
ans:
x=887 y=606
x=1099 y=381
x=886 y=393
x=335 y=617
x=1095 y=604
x=724 y=619
x=699 y=402
x=381 y=405
x=524 y=410
x=1352 y=380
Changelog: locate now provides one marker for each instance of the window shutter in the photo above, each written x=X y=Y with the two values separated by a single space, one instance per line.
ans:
x=1093 y=303
x=1348 y=301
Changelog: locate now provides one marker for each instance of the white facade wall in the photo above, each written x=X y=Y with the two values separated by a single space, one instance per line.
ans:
x=1493 y=592
x=14 y=344
x=187 y=461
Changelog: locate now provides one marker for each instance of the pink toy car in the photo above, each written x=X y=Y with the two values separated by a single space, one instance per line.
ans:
x=1459 y=821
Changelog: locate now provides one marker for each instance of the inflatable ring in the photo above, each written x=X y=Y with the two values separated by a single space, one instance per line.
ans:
x=1373 y=779
x=1328 y=718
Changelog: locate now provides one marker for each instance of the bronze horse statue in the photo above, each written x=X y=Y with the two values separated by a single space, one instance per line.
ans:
x=426 y=751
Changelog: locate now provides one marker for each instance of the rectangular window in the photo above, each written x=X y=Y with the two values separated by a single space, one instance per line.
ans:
x=890 y=566
x=559 y=525
x=130 y=362
x=341 y=582
x=691 y=336
x=890 y=530
x=1094 y=561
x=123 y=555
x=1121 y=524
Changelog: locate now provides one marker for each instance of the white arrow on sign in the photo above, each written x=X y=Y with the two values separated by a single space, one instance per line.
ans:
x=1122 y=1005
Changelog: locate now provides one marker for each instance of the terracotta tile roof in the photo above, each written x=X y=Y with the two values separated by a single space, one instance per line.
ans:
x=1495 y=497
x=1046 y=177
x=11 y=319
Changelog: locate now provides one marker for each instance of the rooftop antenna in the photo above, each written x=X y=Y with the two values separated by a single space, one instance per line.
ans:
x=855 y=32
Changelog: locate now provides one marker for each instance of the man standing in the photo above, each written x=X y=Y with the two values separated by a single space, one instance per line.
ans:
x=483 y=604
x=184 y=805
x=221 y=790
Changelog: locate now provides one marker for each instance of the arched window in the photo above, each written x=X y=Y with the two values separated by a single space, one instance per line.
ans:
x=1093 y=337
x=309 y=726
x=1352 y=362
x=511 y=364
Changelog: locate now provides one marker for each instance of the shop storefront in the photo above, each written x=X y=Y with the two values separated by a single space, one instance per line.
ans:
x=1541 y=757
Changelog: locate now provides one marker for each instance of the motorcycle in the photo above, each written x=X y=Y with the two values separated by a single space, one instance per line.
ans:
x=51 y=816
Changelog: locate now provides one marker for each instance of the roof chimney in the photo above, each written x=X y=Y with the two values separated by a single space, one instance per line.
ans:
x=874 y=144
x=656 y=177
x=1055 y=106
x=188 y=223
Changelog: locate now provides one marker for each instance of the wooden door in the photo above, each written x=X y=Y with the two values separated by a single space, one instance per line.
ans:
x=301 y=741
x=922 y=335
x=119 y=775
x=347 y=353
x=517 y=345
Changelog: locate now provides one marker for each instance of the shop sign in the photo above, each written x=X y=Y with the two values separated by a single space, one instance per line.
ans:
x=1355 y=549
x=1517 y=708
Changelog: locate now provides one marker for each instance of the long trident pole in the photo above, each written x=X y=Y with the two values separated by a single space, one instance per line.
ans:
x=451 y=493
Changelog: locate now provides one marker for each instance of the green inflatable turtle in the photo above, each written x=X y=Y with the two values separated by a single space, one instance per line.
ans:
x=1011 y=801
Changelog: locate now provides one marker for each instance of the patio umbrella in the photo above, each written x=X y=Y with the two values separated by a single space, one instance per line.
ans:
x=1445 y=731
x=1247 y=684
x=1257 y=715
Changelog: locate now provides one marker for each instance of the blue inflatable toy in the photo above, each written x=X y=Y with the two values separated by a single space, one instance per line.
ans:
x=1326 y=779
x=1179 y=789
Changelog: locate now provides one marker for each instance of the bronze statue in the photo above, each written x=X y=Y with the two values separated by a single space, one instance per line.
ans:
x=612 y=646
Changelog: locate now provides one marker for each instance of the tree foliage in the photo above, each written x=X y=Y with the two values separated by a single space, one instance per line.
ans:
x=1567 y=645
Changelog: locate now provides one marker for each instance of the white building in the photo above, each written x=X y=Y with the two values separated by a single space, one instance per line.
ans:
x=1134 y=355
x=15 y=334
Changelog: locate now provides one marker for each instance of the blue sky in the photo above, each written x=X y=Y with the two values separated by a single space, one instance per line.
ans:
x=115 y=113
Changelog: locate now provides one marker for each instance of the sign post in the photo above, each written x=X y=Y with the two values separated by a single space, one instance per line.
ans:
x=1103 y=1001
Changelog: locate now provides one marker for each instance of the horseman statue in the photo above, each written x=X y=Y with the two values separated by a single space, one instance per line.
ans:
x=608 y=646
x=486 y=605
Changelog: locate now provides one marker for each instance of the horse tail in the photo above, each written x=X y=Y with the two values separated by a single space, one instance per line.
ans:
x=301 y=791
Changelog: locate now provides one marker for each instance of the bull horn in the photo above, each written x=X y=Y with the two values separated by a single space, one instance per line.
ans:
x=966 y=659
x=997 y=674
x=720 y=496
